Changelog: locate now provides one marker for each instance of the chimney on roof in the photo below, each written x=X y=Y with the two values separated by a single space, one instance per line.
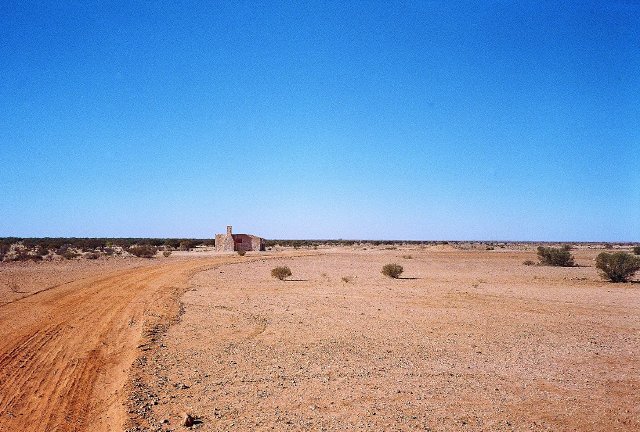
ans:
x=229 y=230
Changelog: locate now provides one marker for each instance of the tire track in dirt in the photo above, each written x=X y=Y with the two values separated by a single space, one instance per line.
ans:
x=65 y=353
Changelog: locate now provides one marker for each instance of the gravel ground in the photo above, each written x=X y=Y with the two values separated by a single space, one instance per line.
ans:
x=467 y=340
x=21 y=279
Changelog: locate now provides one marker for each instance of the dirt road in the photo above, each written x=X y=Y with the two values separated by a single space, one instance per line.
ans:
x=65 y=352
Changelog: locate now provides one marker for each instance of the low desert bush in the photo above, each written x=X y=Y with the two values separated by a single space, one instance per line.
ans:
x=166 y=253
x=4 y=249
x=529 y=262
x=241 y=252
x=23 y=255
x=559 y=257
x=41 y=251
x=617 y=266
x=143 y=251
x=69 y=254
x=281 y=273
x=407 y=256
x=392 y=270
x=91 y=255
x=347 y=279
x=636 y=250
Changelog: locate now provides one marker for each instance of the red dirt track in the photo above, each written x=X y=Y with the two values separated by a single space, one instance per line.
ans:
x=65 y=352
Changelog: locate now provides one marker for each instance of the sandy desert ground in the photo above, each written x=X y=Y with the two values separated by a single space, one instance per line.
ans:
x=466 y=340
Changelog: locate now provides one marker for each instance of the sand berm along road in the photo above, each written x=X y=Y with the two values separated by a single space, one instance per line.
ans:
x=65 y=352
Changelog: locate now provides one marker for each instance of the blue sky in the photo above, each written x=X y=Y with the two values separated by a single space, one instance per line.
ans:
x=390 y=120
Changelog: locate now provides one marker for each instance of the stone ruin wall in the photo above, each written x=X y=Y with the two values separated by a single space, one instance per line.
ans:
x=248 y=242
x=224 y=242
x=232 y=242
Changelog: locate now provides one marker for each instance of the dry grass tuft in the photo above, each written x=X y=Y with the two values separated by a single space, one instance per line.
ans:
x=281 y=273
x=392 y=270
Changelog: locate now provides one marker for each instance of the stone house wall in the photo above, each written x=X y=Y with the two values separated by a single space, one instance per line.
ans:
x=233 y=242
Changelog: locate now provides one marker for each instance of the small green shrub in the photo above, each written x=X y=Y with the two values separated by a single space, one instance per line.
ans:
x=617 y=266
x=91 y=255
x=529 y=262
x=347 y=279
x=392 y=270
x=241 y=252
x=559 y=257
x=166 y=253
x=143 y=251
x=281 y=272
x=636 y=250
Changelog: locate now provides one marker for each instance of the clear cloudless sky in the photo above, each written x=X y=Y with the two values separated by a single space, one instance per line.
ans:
x=510 y=120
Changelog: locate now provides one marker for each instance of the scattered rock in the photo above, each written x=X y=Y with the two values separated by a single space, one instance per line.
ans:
x=188 y=420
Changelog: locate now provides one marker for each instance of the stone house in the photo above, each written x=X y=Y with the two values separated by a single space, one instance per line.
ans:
x=234 y=242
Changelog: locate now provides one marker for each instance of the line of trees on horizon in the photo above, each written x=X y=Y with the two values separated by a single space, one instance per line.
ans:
x=102 y=242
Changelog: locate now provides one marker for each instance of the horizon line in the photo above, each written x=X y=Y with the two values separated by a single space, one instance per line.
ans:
x=355 y=240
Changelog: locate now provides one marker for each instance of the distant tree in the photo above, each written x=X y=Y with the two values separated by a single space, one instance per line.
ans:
x=172 y=243
x=186 y=245
x=143 y=251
